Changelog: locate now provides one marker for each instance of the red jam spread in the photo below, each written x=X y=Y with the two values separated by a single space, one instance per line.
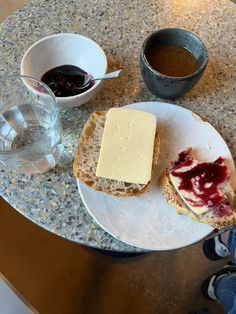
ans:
x=202 y=179
x=222 y=210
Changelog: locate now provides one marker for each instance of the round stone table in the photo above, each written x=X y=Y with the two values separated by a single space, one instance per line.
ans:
x=52 y=200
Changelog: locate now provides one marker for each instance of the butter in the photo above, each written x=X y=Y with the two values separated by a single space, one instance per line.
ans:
x=127 y=146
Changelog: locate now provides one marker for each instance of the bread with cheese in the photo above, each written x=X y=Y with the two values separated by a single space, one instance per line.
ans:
x=221 y=221
x=87 y=155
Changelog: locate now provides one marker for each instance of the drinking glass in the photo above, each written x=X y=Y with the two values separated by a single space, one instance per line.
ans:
x=30 y=127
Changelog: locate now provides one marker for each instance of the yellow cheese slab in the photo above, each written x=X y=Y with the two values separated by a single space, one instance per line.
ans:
x=127 y=146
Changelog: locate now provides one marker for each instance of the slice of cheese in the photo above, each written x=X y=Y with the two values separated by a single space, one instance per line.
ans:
x=127 y=146
x=188 y=195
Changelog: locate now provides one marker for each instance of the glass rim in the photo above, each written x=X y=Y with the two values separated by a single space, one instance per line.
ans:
x=12 y=76
x=18 y=76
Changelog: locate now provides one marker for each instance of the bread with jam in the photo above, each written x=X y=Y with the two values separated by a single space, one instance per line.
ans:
x=201 y=190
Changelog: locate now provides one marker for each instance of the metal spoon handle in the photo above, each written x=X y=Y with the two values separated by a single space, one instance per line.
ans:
x=107 y=76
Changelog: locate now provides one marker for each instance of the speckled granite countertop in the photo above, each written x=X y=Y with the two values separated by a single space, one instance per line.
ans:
x=119 y=26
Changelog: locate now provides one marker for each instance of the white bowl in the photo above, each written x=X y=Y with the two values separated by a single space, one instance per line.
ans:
x=61 y=49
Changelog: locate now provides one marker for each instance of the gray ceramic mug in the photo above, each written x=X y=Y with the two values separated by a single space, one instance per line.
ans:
x=168 y=86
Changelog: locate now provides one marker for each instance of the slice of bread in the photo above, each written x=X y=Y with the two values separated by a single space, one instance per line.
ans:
x=86 y=159
x=226 y=218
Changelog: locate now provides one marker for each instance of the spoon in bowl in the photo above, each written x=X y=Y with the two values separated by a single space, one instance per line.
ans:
x=88 y=78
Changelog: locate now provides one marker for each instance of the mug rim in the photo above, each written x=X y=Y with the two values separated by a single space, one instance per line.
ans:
x=180 y=78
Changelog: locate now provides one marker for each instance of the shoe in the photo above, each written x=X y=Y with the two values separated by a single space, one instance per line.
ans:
x=215 y=249
x=208 y=285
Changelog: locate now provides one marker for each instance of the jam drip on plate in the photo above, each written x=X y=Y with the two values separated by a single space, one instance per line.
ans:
x=201 y=179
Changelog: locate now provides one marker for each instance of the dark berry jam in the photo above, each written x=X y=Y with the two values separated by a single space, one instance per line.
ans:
x=66 y=80
x=222 y=210
x=201 y=179
x=184 y=157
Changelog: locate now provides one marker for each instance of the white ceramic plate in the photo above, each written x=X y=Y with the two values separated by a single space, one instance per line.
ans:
x=147 y=221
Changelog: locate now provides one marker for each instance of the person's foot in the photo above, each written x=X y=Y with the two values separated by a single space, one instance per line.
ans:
x=208 y=285
x=215 y=249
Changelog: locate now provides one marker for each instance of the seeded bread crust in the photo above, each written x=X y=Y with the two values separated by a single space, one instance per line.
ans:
x=173 y=199
x=86 y=159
